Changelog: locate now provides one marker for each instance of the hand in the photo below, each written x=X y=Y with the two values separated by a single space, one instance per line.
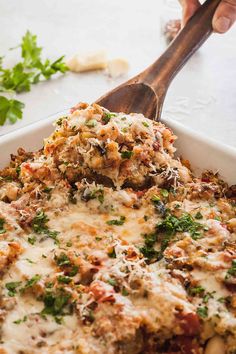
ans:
x=224 y=17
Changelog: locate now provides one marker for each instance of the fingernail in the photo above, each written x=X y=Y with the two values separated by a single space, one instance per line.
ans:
x=222 y=24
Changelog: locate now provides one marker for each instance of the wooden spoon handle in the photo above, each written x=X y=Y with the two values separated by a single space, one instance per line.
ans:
x=191 y=37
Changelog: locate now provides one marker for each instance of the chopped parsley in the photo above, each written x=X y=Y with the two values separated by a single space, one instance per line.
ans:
x=126 y=154
x=39 y=225
x=112 y=282
x=73 y=271
x=12 y=287
x=93 y=194
x=107 y=117
x=62 y=260
x=124 y=292
x=117 y=222
x=63 y=279
x=47 y=190
x=207 y=296
x=2 y=229
x=165 y=230
x=31 y=282
x=148 y=249
x=18 y=169
x=202 y=311
x=164 y=193
x=231 y=272
x=31 y=240
x=196 y=290
x=198 y=215
x=24 y=319
x=91 y=123
x=57 y=304
x=145 y=124
x=171 y=225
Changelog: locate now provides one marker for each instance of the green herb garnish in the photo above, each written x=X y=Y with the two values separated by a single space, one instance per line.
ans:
x=39 y=225
x=21 y=76
x=198 y=215
x=196 y=290
x=126 y=154
x=12 y=287
x=164 y=193
x=62 y=260
x=24 y=319
x=64 y=279
x=31 y=282
x=31 y=240
x=10 y=110
x=202 y=311
x=2 y=222
x=117 y=222
x=231 y=272
x=112 y=282
x=107 y=117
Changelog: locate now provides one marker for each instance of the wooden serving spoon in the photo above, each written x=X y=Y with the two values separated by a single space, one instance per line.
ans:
x=145 y=93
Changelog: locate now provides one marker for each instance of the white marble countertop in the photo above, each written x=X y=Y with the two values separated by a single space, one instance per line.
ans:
x=202 y=96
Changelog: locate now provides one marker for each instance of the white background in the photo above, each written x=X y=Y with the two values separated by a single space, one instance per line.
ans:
x=203 y=96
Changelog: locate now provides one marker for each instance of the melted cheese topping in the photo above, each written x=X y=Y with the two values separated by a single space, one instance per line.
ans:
x=87 y=268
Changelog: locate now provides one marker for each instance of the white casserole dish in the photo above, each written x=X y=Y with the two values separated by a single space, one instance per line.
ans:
x=202 y=152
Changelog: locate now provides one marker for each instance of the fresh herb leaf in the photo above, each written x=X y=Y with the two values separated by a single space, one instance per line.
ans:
x=24 y=319
x=48 y=69
x=62 y=260
x=2 y=222
x=91 y=123
x=148 y=249
x=196 y=290
x=124 y=292
x=202 y=311
x=64 y=279
x=126 y=154
x=231 y=272
x=10 y=110
x=73 y=271
x=39 y=225
x=93 y=194
x=12 y=287
x=171 y=225
x=31 y=282
x=112 y=282
x=198 y=215
x=107 y=117
x=30 y=52
x=55 y=304
x=164 y=193
x=207 y=296
x=145 y=124
x=32 y=240
x=117 y=222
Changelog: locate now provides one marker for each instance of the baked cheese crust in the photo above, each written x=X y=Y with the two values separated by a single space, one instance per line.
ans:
x=109 y=244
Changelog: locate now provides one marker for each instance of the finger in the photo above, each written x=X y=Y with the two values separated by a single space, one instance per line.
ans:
x=225 y=16
x=189 y=8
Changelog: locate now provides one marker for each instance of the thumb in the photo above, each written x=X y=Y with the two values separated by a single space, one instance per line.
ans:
x=225 y=16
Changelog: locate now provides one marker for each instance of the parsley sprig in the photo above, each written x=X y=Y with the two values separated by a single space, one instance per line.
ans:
x=39 y=226
x=21 y=76
x=165 y=231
